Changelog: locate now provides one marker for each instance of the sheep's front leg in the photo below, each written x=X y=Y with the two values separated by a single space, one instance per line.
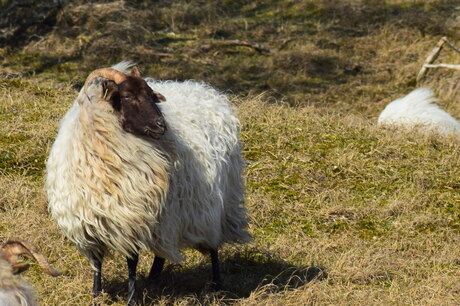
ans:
x=97 y=276
x=132 y=266
x=156 y=269
x=216 y=281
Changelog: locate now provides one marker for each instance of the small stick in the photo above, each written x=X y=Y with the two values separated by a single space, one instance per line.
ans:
x=455 y=48
x=230 y=43
x=255 y=46
x=431 y=58
x=448 y=66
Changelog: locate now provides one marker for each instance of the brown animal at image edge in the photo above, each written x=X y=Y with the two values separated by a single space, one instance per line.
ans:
x=14 y=290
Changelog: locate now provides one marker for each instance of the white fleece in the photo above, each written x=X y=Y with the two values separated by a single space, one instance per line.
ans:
x=417 y=109
x=111 y=190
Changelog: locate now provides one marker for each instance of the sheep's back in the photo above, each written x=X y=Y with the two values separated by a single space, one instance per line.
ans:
x=206 y=183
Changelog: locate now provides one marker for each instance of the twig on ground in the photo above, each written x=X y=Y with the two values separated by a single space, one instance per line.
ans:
x=452 y=46
x=433 y=55
x=431 y=58
x=235 y=43
x=448 y=66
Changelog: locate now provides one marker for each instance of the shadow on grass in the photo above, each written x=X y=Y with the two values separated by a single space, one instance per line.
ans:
x=242 y=273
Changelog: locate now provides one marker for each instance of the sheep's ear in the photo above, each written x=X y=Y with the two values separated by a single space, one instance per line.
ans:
x=135 y=72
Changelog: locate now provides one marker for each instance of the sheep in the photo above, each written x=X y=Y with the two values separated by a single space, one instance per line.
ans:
x=417 y=109
x=112 y=187
x=14 y=290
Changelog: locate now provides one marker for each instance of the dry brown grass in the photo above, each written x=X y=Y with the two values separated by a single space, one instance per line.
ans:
x=378 y=212
x=322 y=51
x=341 y=212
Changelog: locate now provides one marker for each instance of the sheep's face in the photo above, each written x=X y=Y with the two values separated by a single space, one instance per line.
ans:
x=136 y=104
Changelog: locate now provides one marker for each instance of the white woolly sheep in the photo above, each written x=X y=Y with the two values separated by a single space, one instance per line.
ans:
x=14 y=290
x=114 y=182
x=417 y=110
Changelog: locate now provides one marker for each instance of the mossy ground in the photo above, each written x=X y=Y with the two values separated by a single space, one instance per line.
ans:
x=342 y=212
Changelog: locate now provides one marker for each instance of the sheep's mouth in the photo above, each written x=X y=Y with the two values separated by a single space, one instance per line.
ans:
x=155 y=133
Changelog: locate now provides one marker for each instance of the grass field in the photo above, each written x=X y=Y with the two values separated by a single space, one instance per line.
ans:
x=342 y=212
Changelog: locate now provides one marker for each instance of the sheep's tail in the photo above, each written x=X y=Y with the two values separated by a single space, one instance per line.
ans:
x=124 y=66
x=15 y=247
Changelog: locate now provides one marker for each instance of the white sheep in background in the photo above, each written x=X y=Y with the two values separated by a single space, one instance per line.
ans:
x=114 y=182
x=14 y=291
x=417 y=110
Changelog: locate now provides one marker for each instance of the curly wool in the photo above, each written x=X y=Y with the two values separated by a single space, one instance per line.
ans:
x=417 y=109
x=105 y=186
x=206 y=179
x=111 y=190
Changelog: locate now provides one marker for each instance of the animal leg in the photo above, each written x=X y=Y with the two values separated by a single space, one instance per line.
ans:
x=97 y=276
x=216 y=281
x=156 y=269
x=132 y=266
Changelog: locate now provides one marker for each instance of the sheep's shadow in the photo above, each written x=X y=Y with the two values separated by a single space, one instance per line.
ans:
x=242 y=273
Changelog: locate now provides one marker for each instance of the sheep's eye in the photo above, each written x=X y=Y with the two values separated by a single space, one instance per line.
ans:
x=126 y=97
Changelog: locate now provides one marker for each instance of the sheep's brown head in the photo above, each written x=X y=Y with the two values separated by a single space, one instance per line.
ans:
x=133 y=100
x=14 y=248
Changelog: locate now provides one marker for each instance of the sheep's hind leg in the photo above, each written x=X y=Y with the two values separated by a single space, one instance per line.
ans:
x=216 y=281
x=97 y=276
x=156 y=269
x=132 y=266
